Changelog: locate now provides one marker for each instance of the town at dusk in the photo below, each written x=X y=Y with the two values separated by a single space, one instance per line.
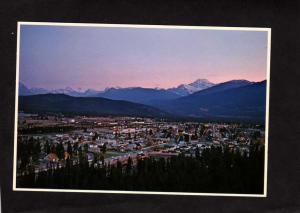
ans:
x=142 y=109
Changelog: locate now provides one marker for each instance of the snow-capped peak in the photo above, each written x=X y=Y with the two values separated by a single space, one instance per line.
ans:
x=112 y=88
x=200 y=83
x=186 y=89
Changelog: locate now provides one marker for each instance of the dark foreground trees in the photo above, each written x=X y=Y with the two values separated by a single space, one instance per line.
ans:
x=215 y=171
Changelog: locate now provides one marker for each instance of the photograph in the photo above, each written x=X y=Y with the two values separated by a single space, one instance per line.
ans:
x=142 y=109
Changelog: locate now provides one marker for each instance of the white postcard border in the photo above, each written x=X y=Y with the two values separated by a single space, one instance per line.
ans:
x=268 y=30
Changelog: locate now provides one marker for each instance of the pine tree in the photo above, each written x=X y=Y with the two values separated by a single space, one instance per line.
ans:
x=69 y=148
x=47 y=148
x=103 y=148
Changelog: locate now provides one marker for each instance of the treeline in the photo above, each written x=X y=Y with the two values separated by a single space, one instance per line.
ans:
x=215 y=171
x=28 y=152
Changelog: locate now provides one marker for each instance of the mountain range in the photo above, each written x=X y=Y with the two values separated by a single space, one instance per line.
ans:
x=236 y=99
x=24 y=90
x=241 y=99
x=181 y=90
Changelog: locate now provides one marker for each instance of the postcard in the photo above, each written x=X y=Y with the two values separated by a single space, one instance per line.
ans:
x=142 y=109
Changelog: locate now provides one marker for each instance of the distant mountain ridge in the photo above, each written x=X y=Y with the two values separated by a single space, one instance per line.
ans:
x=138 y=95
x=23 y=91
x=223 y=86
x=181 y=90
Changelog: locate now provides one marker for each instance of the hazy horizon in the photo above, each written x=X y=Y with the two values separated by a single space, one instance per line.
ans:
x=84 y=89
x=55 y=57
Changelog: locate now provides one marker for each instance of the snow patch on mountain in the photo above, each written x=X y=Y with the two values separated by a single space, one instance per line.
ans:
x=187 y=89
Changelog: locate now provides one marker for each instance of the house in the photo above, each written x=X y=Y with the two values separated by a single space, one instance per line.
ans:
x=181 y=143
x=90 y=157
x=67 y=156
x=52 y=157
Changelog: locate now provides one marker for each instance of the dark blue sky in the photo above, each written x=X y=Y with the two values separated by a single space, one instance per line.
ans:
x=99 y=57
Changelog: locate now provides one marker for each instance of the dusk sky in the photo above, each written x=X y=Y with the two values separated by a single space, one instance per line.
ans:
x=99 y=57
